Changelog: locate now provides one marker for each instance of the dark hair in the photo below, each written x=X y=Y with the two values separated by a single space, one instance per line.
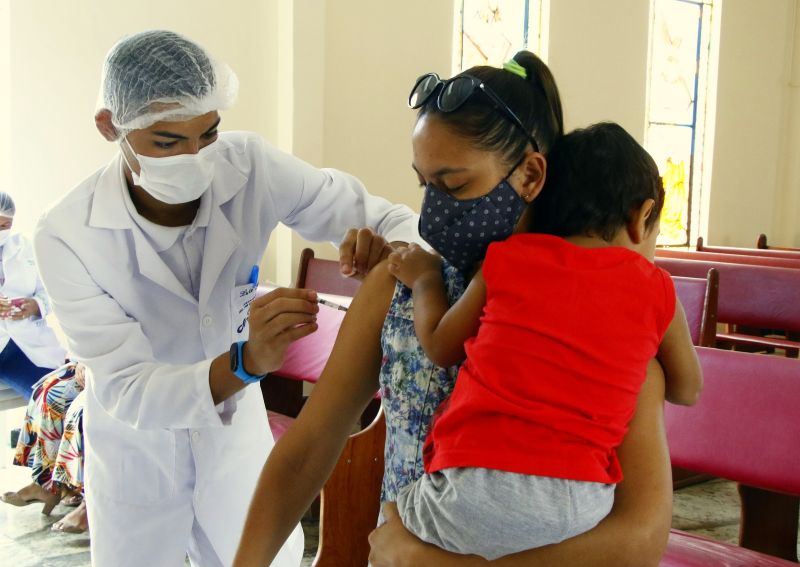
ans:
x=535 y=100
x=596 y=177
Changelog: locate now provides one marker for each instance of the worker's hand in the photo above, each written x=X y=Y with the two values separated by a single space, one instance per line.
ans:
x=360 y=250
x=277 y=319
x=18 y=308
x=410 y=263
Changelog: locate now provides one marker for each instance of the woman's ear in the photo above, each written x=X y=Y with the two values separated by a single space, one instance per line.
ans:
x=637 y=226
x=104 y=125
x=533 y=171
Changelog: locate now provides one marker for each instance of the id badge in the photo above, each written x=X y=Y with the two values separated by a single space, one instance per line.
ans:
x=241 y=297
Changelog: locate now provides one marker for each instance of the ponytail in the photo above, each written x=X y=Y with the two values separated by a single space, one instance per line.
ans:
x=534 y=99
x=541 y=78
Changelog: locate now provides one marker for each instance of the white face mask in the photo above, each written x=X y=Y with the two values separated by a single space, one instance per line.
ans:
x=4 y=234
x=175 y=179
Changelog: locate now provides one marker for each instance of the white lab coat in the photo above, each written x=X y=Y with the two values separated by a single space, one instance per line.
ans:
x=32 y=335
x=155 y=439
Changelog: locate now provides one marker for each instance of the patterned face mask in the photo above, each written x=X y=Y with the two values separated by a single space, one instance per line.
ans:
x=461 y=231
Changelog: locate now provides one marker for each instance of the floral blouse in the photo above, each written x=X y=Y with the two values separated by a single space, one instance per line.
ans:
x=412 y=387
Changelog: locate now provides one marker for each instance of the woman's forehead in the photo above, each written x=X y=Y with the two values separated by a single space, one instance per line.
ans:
x=5 y=220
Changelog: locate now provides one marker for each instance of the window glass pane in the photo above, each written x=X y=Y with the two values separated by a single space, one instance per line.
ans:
x=670 y=148
x=674 y=61
x=493 y=31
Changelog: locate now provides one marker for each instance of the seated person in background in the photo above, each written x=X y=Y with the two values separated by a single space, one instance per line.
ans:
x=565 y=320
x=29 y=348
x=50 y=442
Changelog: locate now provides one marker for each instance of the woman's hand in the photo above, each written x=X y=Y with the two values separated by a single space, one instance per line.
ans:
x=361 y=250
x=18 y=308
x=411 y=263
x=391 y=544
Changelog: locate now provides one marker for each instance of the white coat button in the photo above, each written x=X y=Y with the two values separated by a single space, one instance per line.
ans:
x=195 y=436
x=207 y=321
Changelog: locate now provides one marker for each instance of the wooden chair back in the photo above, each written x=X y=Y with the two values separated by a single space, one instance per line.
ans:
x=351 y=500
x=324 y=276
x=700 y=298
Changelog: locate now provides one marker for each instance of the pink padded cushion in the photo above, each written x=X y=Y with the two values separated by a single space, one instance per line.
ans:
x=687 y=550
x=278 y=424
x=755 y=296
x=305 y=358
x=746 y=424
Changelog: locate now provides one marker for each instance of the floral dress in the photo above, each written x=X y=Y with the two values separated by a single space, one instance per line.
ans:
x=40 y=439
x=411 y=386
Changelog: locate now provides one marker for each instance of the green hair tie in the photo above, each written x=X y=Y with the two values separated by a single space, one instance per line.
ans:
x=514 y=67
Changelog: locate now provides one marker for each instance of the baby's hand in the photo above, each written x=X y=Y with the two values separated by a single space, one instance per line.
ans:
x=408 y=264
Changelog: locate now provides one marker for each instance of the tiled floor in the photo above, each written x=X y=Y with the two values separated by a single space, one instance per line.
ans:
x=709 y=509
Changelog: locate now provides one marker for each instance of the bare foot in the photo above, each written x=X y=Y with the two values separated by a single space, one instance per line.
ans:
x=76 y=522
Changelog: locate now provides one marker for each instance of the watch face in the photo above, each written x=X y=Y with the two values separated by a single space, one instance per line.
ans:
x=234 y=357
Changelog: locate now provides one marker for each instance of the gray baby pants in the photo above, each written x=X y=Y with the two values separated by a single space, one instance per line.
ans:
x=494 y=513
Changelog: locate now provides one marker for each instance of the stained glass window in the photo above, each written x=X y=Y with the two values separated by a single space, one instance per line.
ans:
x=490 y=32
x=680 y=43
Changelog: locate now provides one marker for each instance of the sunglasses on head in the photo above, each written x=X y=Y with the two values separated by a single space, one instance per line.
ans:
x=453 y=93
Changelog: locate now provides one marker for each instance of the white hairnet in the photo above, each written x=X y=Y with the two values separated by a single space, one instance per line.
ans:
x=7 y=208
x=160 y=75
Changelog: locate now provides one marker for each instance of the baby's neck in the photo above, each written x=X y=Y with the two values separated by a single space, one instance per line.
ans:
x=590 y=241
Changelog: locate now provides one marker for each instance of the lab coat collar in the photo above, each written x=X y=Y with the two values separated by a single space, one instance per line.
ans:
x=11 y=248
x=109 y=211
x=108 y=206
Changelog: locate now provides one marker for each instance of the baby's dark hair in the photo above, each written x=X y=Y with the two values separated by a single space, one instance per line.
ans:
x=596 y=177
x=535 y=100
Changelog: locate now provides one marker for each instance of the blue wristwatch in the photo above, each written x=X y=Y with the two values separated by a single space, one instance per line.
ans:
x=237 y=365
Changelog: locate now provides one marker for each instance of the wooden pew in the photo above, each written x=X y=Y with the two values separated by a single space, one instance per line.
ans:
x=704 y=256
x=761 y=297
x=768 y=253
x=744 y=428
x=762 y=244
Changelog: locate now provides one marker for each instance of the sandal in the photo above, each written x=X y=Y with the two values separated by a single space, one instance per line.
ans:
x=50 y=500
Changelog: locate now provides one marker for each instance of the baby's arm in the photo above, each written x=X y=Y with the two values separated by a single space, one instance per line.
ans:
x=441 y=329
x=677 y=355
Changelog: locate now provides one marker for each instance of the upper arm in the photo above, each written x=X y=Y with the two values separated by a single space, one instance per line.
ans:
x=350 y=377
x=322 y=204
x=684 y=378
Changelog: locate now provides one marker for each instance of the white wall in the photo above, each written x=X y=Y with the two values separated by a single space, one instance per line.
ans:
x=5 y=95
x=748 y=184
x=328 y=79
x=57 y=51
x=352 y=84
x=598 y=55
